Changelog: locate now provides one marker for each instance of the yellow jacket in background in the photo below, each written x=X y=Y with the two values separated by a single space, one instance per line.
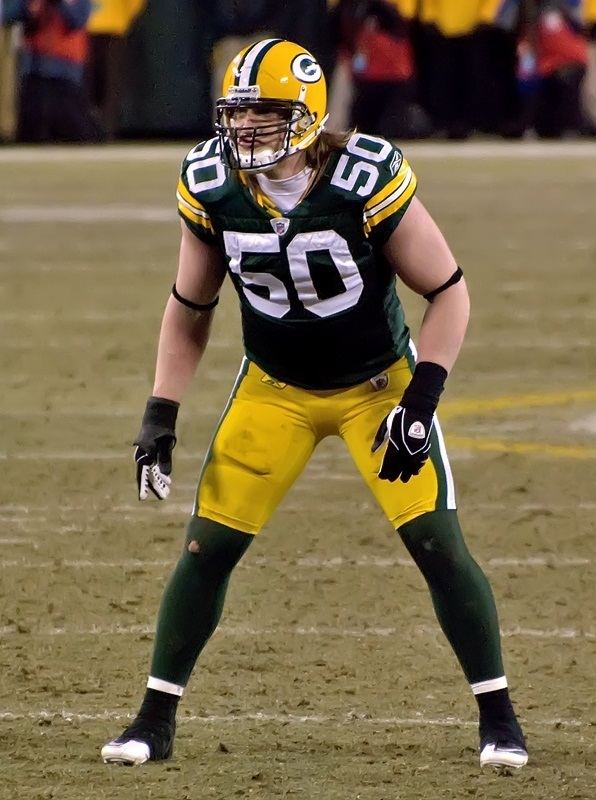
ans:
x=590 y=12
x=488 y=10
x=407 y=8
x=114 y=16
x=454 y=17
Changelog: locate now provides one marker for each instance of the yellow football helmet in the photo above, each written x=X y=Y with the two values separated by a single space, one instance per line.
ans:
x=276 y=78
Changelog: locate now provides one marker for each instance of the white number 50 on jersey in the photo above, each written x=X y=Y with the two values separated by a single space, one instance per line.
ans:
x=348 y=174
x=277 y=304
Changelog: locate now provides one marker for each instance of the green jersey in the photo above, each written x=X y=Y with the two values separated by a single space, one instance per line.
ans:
x=318 y=301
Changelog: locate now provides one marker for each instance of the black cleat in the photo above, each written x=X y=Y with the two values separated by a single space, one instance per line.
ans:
x=145 y=739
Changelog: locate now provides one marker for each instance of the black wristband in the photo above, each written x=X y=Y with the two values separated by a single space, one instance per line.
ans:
x=425 y=387
x=161 y=412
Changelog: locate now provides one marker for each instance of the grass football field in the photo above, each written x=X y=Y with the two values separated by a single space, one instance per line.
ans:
x=329 y=677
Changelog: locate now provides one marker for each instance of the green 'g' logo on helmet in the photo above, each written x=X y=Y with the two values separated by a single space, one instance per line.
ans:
x=305 y=68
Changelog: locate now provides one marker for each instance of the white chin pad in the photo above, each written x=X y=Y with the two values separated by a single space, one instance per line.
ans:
x=262 y=158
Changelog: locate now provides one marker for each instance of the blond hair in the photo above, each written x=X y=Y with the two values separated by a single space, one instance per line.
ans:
x=324 y=145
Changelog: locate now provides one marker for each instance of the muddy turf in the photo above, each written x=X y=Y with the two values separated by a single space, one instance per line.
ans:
x=329 y=677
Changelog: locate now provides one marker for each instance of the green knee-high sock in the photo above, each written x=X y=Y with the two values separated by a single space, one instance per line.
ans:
x=193 y=600
x=461 y=594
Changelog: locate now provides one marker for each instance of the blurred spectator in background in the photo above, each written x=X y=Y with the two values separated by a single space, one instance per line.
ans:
x=307 y=22
x=467 y=56
x=237 y=24
x=497 y=93
x=166 y=85
x=589 y=87
x=412 y=67
x=8 y=122
x=527 y=79
x=52 y=104
x=374 y=35
x=561 y=60
x=108 y=25
x=446 y=53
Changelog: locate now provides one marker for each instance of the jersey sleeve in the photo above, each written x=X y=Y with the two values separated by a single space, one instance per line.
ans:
x=191 y=208
x=390 y=198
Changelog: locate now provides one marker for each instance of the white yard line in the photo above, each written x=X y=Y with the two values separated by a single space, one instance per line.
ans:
x=584 y=424
x=91 y=154
x=88 y=214
x=31 y=525
x=323 y=632
x=563 y=344
x=353 y=717
x=550 y=562
x=539 y=315
x=82 y=269
x=43 y=317
x=171 y=507
x=117 y=455
x=84 y=342
x=539 y=561
x=127 y=563
x=176 y=152
x=456 y=453
x=33 y=317
x=81 y=455
x=88 y=341
x=9 y=510
x=391 y=563
x=97 y=413
x=13 y=541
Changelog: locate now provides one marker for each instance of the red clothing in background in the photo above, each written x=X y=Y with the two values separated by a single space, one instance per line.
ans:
x=558 y=44
x=380 y=56
x=52 y=36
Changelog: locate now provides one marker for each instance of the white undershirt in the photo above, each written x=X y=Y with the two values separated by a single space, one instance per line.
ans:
x=286 y=193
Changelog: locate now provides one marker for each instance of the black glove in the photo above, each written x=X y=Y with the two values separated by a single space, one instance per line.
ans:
x=154 y=445
x=407 y=429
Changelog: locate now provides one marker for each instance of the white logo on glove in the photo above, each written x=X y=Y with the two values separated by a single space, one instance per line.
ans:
x=417 y=430
x=153 y=479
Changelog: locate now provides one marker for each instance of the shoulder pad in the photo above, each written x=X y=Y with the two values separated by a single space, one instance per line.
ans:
x=365 y=165
x=204 y=149
x=203 y=172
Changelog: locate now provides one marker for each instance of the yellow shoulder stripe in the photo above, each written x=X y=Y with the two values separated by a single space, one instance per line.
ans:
x=402 y=175
x=392 y=206
x=199 y=219
x=187 y=196
x=194 y=209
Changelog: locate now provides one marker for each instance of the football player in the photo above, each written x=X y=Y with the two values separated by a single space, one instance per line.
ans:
x=312 y=228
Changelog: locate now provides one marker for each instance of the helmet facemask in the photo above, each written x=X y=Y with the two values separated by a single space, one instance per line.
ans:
x=259 y=147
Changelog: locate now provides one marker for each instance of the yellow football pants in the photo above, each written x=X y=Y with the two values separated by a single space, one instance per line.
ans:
x=269 y=430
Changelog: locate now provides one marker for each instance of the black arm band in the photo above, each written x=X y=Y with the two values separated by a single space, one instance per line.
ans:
x=425 y=387
x=457 y=276
x=190 y=304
